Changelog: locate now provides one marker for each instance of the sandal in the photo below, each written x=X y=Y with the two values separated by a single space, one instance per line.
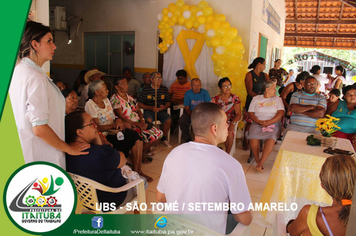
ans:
x=147 y=160
x=258 y=169
x=150 y=154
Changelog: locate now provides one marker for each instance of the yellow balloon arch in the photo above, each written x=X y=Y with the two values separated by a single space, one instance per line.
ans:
x=226 y=43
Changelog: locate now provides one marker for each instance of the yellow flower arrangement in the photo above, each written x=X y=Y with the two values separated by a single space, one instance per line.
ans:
x=327 y=125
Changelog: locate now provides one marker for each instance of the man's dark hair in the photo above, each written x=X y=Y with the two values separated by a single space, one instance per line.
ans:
x=204 y=115
x=181 y=73
x=73 y=121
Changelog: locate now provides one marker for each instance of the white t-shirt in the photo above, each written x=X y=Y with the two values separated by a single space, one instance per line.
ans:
x=322 y=81
x=337 y=78
x=266 y=108
x=196 y=173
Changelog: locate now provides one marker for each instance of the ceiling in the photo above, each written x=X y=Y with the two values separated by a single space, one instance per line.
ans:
x=320 y=24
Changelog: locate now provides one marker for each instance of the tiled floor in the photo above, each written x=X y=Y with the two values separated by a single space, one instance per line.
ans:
x=256 y=182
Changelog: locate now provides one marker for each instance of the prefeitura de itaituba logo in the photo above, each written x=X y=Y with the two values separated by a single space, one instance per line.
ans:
x=42 y=207
x=46 y=200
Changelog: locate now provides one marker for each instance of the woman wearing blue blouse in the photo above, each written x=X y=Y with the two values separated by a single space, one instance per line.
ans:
x=346 y=111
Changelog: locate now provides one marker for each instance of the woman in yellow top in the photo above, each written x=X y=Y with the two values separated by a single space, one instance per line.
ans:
x=338 y=177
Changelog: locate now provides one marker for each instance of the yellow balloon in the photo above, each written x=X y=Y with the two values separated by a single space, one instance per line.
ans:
x=208 y=43
x=195 y=25
x=231 y=32
x=217 y=70
x=167 y=34
x=171 y=23
x=201 y=20
x=208 y=11
x=239 y=56
x=220 y=17
x=242 y=50
x=161 y=35
x=216 y=41
x=181 y=20
x=177 y=12
x=170 y=37
x=202 y=4
x=238 y=39
x=185 y=8
x=188 y=24
x=225 y=24
x=215 y=24
x=236 y=46
x=230 y=53
x=180 y=3
x=165 y=11
x=232 y=64
x=243 y=65
x=354 y=78
x=220 y=31
x=172 y=7
x=226 y=42
x=209 y=19
x=193 y=9
x=165 y=19
x=174 y=19
x=225 y=72
x=160 y=26
x=241 y=124
x=215 y=57
x=221 y=62
x=171 y=41
x=208 y=26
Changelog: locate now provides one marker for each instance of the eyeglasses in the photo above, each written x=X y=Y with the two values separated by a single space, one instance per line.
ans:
x=92 y=123
x=158 y=77
x=226 y=86
x=312 y=84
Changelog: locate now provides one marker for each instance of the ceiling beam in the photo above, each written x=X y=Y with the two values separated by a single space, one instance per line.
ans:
x=351 y=3
x=326 y=22
x=320 y=35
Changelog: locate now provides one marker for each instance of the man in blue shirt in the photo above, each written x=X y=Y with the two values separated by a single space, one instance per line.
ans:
x=192 y=98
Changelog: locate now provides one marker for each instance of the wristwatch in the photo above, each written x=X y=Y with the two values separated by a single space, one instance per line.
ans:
x=234 y=123
x=142 y=119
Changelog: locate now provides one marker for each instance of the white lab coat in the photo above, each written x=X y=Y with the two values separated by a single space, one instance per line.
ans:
x=36 y=100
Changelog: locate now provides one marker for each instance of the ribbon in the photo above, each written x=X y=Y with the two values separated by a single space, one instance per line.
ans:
x=268 y=128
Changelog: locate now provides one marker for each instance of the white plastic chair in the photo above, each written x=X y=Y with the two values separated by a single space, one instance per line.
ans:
x=181 y=110
x=87 y=197
x=279 y=228
x=159 y=123
x=233 y=148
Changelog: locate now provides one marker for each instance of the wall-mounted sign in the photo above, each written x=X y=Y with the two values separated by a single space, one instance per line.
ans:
x=270 y=16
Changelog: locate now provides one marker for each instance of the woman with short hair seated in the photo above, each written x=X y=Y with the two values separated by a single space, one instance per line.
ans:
x=101 y=164
x=99 y=107
x=127 y=109
x=230 y=103
x=266 y=112
x=71 y=100
x=338 y=177
x=346 y=112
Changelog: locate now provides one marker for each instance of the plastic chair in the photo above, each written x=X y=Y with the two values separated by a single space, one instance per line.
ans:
x=181 y=110
x=279 y=228
x=233 y=148
x=159 y=123
x=87 y=197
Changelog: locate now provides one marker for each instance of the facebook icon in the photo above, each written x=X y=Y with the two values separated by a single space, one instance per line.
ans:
x=97 y=222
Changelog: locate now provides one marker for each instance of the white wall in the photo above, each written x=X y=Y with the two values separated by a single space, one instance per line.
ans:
x=140 y=16
x=258 y=25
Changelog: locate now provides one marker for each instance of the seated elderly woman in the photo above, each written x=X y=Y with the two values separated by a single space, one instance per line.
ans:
x=266 y=112
x=99 y=107
x=71 y=100
x=126 y=108
x=337 y=177
x=346 y=112
x=230 y=103
x=101 y=164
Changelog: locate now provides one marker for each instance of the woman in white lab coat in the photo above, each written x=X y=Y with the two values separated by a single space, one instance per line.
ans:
x=37 y=103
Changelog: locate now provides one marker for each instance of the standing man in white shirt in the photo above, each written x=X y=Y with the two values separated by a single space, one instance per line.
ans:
x=199 y=172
